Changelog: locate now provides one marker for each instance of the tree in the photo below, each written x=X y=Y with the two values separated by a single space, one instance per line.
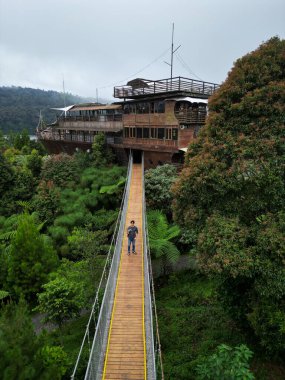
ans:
x=160 y=238
x=55 y=359
x=101 y=153
x=158 y=183
x=86 y=244
x=31 y=259
x=23 y=354
x=231 y=192
x=34 y=163
x=66 y=293
x=6 y=183
x=18 y=344
x=61 y=300
x=62 y=169
x=226 y=364
x=46 y=201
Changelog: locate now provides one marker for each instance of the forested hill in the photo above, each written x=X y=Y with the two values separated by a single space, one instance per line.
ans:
x=20 y=107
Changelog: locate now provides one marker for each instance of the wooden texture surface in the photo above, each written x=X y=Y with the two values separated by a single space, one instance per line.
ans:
x=125 y=354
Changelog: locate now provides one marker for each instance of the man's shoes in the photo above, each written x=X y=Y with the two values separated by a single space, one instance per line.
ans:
x=134 y=253
x=128 y=253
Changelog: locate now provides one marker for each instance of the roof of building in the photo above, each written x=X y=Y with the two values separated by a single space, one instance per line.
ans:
x=89 y=107
x=94 y=107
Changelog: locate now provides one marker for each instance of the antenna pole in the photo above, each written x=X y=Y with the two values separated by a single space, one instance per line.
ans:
x=172 y=51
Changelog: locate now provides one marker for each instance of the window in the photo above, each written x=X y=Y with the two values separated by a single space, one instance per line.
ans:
x=168 y=133
x=153 y=133
x=139 y=133
x=161 y=107
x=146 y=133
x=132 y=108
x=143 y=107
x=174 y=134
x=160 y=133
x=132 y=132
x=126 y=132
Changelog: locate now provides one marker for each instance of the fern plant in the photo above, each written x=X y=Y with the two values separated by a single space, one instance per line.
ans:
x=161 y=236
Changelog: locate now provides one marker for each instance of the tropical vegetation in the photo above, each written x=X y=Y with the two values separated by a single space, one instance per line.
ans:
x=57 y=219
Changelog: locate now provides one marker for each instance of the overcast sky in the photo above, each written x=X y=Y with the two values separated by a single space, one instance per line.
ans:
x=99 y=44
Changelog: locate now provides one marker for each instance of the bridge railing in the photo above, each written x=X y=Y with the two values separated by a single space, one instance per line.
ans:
x=153 y=346
x=95 y=338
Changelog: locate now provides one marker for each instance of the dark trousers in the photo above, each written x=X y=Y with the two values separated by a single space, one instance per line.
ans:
x=133 y=242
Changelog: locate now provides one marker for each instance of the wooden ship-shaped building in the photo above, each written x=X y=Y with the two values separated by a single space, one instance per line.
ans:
x=159 y=118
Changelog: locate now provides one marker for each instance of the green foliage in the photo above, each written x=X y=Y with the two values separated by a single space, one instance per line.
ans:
x=70 y=337
x=3 y=294
x=192 y=323
x=61 y=169
x=21 y=140
x=56 y=359
x=19 y=346
x=34 y=163
x=160 y=236
x=31 y=259
x=80 y=207
x=101 y=153
x=58 y=234
x=158 y=183
x=84 y=243
x=61 y=300
x=7 y=179
x=223 y=247
x=68 y=290
x=112 y=189
x=46 y=201
x=230 y=195
x=226 y=364
x=18 y=173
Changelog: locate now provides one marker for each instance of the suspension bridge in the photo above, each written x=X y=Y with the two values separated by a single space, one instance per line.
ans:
x=121 y=340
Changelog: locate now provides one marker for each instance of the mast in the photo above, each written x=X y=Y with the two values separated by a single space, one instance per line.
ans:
x=172 y=52
x=171 y=66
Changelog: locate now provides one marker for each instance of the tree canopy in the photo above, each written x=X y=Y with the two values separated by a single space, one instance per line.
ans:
x=231 y=192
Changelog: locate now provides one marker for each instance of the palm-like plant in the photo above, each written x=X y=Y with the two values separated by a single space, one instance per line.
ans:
x=161 y=236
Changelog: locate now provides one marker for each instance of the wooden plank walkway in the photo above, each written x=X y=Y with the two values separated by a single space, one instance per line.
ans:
x=125 y=355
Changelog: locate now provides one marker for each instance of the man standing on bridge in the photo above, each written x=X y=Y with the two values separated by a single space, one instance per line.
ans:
x=132 y=234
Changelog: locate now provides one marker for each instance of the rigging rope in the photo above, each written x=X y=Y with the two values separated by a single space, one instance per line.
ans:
x=186 y=66
x=138 y=72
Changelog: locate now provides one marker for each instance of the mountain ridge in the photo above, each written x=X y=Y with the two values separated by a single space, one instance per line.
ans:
x=20 y=107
